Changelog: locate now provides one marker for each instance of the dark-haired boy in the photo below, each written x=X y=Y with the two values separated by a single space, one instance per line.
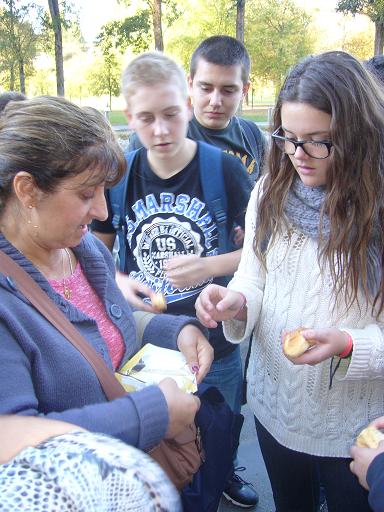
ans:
x=218 y=82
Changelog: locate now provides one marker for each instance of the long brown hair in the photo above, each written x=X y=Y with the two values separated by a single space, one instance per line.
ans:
x=335 y=83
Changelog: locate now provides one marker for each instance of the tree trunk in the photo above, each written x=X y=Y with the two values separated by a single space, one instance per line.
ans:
x=22 y=76
x=240 y=14
x=56 y=22
x=157 y=30
x=379 y=38
x=12 y=78
x=12 y=30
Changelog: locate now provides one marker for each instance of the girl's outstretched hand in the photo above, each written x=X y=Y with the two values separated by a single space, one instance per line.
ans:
x=217 y=303
x=329 y=342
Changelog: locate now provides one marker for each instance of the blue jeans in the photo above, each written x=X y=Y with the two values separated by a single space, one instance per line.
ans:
x=227 y=375
x=295 y=479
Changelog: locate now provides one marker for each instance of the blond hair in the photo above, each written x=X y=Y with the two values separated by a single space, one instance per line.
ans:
x=150 y=69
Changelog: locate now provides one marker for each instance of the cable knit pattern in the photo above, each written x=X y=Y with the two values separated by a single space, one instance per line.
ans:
x=293 y=402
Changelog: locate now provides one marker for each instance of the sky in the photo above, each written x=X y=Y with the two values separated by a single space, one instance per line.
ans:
x=94 y=13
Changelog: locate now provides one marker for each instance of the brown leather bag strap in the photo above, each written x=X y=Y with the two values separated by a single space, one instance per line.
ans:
x=40 y=300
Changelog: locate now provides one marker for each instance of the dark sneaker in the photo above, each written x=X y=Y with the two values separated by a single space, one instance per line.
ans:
x=240 y=492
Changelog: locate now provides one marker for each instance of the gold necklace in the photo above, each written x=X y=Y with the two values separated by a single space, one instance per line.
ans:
x=66 y=288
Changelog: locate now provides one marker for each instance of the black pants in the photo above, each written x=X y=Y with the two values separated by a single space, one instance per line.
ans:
x=295 y=479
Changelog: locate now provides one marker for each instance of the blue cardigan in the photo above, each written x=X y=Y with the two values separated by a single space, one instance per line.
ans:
x=41 y=373
x=375 y=479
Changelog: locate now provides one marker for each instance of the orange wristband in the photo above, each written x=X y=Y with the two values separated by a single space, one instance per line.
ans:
x=244 y=305
x=348 y=349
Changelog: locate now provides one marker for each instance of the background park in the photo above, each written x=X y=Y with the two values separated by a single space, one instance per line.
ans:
x=78 y=49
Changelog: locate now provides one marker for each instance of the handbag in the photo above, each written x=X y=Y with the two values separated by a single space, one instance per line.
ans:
x=179 y=457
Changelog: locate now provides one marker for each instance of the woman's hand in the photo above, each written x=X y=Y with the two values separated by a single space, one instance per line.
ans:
x=362 y=457
x=182 y=407
x=329 y=342
x=217 y=303
x=187 y=270
x=20 y=432
x=197 y=350
x=134 y=291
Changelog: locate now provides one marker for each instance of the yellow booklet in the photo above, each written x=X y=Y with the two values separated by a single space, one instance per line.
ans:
x=152 y=364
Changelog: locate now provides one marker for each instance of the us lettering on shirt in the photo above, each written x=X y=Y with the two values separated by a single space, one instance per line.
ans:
x=176 y=224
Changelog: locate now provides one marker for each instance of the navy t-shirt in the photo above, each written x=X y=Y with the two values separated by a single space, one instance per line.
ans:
x=169 y=217
x=247 y=144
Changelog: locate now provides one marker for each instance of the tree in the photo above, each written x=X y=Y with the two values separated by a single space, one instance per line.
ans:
x=56 y=27
x=120 y=34
x=359 y=44
x=240 y=16
x=104 y=77
x=374 y=9
x=61 y=18
x=18 y=42
x=155 y=13
x=155 y=7
x=188 y=30
x=277 y=37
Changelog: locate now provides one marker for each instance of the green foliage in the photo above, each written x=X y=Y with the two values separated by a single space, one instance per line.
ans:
x=198 y=20
x=42 y=83
x=359 y=44
x=277 y=36
x=18 y=42
x=104 y=77
x=130 y=32
x=70 y=25
x=374 y=9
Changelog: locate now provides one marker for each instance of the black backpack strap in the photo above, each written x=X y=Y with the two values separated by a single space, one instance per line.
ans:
x=118 y=200
x=215 y=195
x=254 y=138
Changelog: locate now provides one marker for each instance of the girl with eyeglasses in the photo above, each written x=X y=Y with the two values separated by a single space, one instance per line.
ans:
x=312 y=258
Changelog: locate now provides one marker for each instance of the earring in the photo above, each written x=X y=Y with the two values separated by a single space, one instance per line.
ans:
x=30 y=206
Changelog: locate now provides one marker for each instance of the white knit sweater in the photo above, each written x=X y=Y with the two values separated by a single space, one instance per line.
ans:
x=294 y=403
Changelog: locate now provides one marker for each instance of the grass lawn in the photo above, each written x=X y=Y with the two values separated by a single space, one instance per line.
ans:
x=117 y=117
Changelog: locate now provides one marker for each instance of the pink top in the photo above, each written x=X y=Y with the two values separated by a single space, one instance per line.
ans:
x=84 y=297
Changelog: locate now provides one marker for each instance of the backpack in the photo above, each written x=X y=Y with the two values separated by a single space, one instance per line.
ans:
x=255 y=139
x=214 y=192
x=220 y=431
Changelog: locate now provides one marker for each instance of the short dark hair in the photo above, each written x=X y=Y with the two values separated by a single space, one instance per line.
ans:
x=222 y=51
x=376 y=66
x=6 y=97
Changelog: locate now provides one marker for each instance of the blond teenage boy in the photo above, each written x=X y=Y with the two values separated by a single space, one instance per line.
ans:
x=167 y=212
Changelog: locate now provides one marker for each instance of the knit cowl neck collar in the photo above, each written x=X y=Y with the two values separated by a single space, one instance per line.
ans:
x=303 y=209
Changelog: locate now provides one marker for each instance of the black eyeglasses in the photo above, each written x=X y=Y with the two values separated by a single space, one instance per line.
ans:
x=313 y=148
